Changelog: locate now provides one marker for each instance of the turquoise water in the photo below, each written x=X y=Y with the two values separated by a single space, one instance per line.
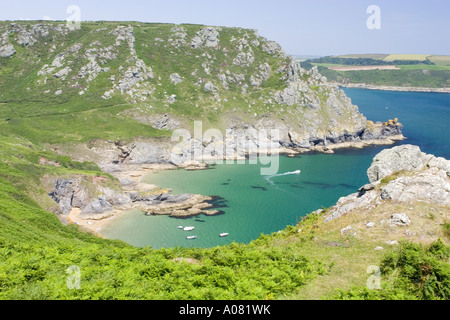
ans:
x=251 y=205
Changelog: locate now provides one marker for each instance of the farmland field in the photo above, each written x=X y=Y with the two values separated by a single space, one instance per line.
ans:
x=361 y=68
x=440 y=60
x=419 y=57
x=376 y=56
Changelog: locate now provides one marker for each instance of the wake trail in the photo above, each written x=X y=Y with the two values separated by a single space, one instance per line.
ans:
x=269 y=180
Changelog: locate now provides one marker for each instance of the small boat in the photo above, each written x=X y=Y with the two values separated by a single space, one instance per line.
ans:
x=224 y=234
x=180 y=227
x=188 y=228
x=296 y=172
x=191 y=237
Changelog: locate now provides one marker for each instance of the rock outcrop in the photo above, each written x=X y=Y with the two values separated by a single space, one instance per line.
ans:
x=97 y=201
x=7 y=51
x=406 y=157
x=167 y=76
x=402 y=174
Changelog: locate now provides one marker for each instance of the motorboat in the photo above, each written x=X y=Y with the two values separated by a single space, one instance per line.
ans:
x=224 y=234
x=188 y=228
x=191 y=237
x=296 y=172
x=180 y=227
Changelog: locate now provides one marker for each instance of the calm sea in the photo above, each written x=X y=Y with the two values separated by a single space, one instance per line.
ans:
x=251 y=205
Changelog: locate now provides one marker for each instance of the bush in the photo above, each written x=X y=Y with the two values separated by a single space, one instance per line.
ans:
x=412 y=272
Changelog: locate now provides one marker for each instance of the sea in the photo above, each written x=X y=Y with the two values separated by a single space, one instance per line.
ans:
x=251 y=204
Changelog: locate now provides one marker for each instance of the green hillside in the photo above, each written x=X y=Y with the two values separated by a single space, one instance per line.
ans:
x=105 y=82
x=429 y=71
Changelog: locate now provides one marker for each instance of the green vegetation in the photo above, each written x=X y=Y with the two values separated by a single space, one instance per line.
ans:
x=414 y=70
x=408 y=77
x=36 y=249
x=368 y=61
x=414 y=272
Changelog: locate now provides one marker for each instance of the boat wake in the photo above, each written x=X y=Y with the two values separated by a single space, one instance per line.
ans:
x=269 y=178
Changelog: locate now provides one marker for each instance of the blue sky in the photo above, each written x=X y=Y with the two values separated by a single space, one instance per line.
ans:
x=318 y=27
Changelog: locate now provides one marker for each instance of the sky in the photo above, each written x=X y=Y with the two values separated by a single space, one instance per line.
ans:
x=317 y=27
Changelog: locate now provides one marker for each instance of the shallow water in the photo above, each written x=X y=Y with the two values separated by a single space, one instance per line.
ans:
x=253 y=205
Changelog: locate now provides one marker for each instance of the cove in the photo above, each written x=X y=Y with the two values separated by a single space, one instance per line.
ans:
x=253 y=205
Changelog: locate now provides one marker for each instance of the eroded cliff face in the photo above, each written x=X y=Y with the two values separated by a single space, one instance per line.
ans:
x=171 y=75
x=403 y=175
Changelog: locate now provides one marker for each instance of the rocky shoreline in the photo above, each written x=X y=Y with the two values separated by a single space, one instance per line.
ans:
x=78 y=203
x=92 y=203
x=394 y=88
x=402 y=174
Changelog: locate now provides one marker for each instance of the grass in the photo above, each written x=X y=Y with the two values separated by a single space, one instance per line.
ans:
x=435 y=75
x=419 y=57
x=349 y=256
x=406 y=77
x=369 y=56
x=36 y=248
x=440 y=60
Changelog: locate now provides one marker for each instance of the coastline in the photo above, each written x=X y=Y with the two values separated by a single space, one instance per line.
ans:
x=95 y=223
x=394 y=88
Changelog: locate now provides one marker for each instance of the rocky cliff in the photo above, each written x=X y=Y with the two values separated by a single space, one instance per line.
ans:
x=166 y=76
x=401 y=175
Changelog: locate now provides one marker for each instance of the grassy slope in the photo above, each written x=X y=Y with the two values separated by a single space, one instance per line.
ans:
x=298 y=263
x=27 y=110
x=432 y=76
x=36 y=249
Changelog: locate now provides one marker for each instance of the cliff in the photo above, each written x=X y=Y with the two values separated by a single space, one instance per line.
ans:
x=408 y=189
x=118 y=81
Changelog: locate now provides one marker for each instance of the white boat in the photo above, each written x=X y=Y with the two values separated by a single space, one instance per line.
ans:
x=297 y=172
x=188 y=228
x=224 y=234
x=180 y=227
x=191 y=237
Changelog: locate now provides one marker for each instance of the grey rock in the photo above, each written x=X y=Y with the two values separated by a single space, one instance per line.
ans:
x=100 y=205
x=346 y=230
x=272 y=48
x=244 y=59
x=429 y=187
x=366 y=188
x=392 y=242
x=62 y=73
x=175 y=78
x=209 y=86
x=179 y=198
x=425 y=179
x=208 y=37
x=63 y=194
x=399 y=219
x=389 y=161
x=7 y=51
